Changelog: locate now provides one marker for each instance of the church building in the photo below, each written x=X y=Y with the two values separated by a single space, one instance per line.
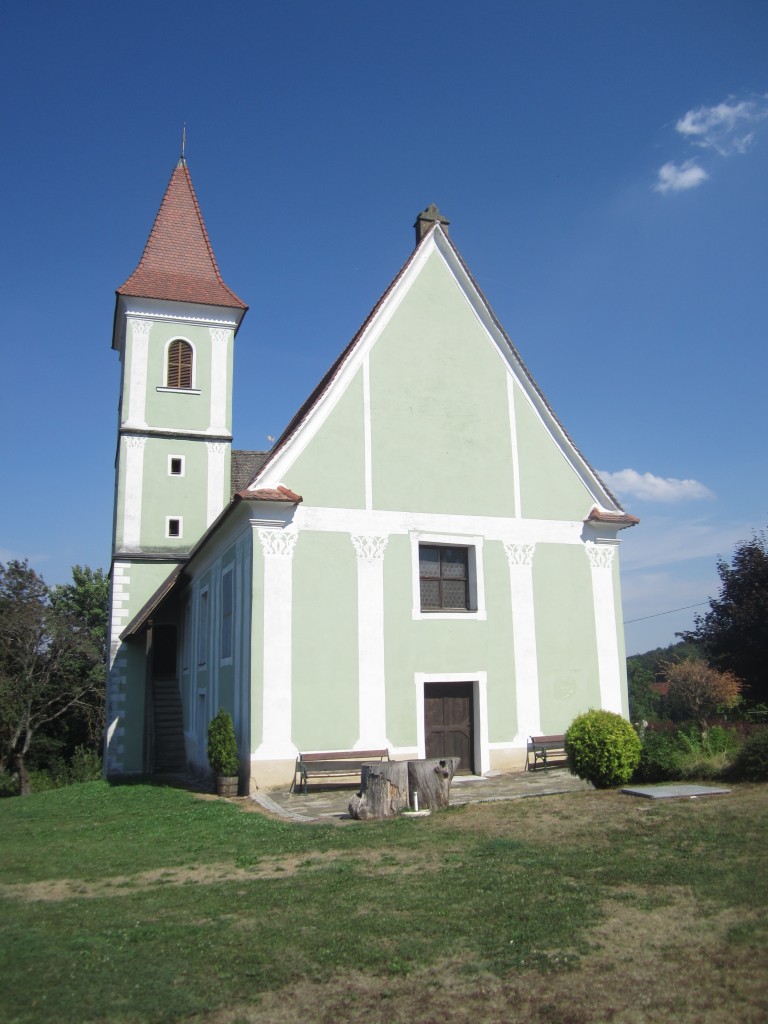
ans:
x=423 y=561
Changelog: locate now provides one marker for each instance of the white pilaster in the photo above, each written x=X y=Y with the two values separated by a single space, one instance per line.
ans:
x=367 y=432
x=513 y=442
x=372 y=710
x=116 y=672
x=132 y=494
x=601 y=562
x=219 y=341
x=520 y=558
x=217 y=451
x=276 y=742
x=137 y=394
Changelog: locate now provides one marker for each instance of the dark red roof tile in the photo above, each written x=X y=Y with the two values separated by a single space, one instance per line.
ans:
x=178 y=261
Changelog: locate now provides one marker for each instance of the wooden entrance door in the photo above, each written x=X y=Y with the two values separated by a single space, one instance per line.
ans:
x=449 y=722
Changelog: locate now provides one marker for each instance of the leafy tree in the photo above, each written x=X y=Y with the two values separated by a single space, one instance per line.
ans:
x=644 y=702
x=51 y=661
x=734 y=632
x=698 y=691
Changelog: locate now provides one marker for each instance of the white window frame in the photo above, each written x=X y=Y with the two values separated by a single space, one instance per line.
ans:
x=226 y=659
x=194 y=390
x=476 y=578
x=181 y=459
x=174 y=536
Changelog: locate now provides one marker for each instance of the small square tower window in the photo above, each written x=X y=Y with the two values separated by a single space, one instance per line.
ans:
x=173 y=526
x=175 y=465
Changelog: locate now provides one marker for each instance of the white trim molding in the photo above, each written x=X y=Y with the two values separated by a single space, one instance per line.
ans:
x=479 y=681
x=219 y=342
x=372 y=708
x=520 y=559
x=276 y=742
x=601 y=557
x=137 y=395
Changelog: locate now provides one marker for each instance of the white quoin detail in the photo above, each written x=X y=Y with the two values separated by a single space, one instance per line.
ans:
x=137 y=395
x=372 y=709
x=219 y=342
x=276 y=740
x=132 y=492
x=601 y=558
x=520 y=558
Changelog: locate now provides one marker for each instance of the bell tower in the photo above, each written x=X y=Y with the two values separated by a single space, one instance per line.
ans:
x=174 y=330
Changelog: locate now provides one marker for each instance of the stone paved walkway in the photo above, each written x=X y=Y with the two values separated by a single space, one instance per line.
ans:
x=324 y=803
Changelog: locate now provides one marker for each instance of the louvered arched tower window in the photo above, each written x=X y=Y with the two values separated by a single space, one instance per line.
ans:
x=179 y=364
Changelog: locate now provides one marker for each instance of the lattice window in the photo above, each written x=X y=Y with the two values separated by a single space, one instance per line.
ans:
x=179 y=364
x=443 y=578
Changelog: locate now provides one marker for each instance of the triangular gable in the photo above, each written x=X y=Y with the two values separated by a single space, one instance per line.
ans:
x=314 y=412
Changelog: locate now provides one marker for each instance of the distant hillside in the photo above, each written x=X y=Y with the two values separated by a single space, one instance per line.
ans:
x=652 y=661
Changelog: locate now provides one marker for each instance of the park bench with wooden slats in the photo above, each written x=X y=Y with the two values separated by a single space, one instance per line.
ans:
x=546 y=751
x=333 y=764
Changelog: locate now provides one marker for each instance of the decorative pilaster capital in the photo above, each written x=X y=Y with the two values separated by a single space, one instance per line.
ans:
x=369 y=549
x=278 y=542
x=141 y=328
x=216 y=447
x=219 y=335
x=136 y=441
x=520 y=554
x=601 y=555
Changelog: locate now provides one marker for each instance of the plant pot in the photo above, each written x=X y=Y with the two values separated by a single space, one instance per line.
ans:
x=227 y=785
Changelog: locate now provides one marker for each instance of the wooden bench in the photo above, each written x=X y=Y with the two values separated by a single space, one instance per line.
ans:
x=334 y=764
x=547 y=752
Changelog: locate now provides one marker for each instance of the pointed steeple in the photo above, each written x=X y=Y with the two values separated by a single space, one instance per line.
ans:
x=178 y=262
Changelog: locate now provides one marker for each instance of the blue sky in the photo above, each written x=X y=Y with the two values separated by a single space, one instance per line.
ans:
x=603 y=165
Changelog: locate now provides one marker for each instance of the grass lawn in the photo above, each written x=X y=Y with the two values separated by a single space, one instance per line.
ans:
x=140 y=904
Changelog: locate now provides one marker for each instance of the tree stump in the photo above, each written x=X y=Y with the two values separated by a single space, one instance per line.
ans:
x=383 y=790
x=387 y=787
x=431 y=779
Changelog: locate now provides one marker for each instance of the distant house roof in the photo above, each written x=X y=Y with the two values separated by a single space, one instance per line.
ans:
x=178 y=262
x=245 y=465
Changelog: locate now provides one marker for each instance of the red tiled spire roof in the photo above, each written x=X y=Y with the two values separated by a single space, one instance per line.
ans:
x=178 y=261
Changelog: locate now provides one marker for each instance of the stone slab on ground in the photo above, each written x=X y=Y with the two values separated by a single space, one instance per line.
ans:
x=670 y=792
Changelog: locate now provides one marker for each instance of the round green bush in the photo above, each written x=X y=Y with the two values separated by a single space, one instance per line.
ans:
x=602 y=748
x=751 y=762
x=222 y=745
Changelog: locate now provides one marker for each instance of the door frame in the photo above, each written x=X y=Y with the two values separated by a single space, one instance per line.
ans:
x=479 y=681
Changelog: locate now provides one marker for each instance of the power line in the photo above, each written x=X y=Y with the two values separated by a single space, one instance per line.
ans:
x=670 y=612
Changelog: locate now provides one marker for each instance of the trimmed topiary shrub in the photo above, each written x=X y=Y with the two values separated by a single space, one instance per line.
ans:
x=751 y=762
x=222 y=745
x=602 y=748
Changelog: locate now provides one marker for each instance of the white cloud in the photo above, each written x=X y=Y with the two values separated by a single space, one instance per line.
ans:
x=674 y=178
x=727 y=128
x=648 y=487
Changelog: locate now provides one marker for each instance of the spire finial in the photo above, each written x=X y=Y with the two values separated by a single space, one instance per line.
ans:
x=183 y=139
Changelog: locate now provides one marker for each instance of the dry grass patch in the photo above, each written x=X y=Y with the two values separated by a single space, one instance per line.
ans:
x=646 y=967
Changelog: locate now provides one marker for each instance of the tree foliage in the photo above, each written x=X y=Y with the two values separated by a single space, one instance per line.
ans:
x=734 y=632
x=698 y=691
x=603 y=748
x=52 y=656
